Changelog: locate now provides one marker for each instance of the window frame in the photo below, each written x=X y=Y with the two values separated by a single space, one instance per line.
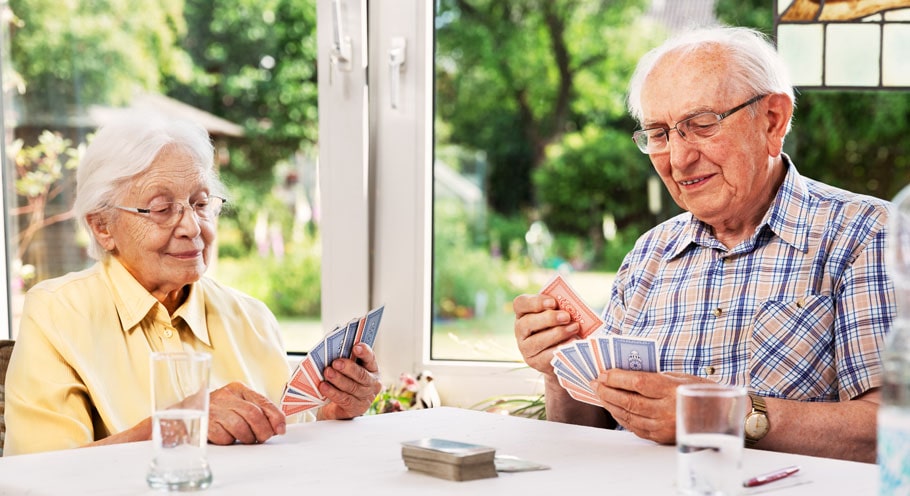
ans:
x=402 y=236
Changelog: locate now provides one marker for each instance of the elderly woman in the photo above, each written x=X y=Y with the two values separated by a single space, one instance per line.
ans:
x=149 y=196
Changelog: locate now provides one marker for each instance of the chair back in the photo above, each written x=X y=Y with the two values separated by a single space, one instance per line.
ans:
x=6 y=349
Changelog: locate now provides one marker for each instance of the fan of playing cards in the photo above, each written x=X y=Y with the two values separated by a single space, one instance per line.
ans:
x=301 y=393
x=578 y=363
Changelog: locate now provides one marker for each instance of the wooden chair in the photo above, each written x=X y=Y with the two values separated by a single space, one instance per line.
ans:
x=6 y=349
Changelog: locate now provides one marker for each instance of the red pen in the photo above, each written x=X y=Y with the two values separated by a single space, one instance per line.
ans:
x=778 y=474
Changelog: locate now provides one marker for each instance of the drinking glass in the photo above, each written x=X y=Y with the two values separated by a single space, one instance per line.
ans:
x=180 y=417
x=709 y=439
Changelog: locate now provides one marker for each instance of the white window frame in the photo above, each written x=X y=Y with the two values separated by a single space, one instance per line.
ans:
x=399 y=179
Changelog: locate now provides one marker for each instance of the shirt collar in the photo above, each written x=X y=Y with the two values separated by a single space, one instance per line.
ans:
x=787 y=217
x=134 y=302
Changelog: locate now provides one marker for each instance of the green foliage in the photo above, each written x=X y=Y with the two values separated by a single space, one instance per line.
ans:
x=83 y=53
x=512 y=77
x=289 y=286
x=463 y=272
x=753 y=13
x=255 y=65
x=854 y=140
x=593 y=173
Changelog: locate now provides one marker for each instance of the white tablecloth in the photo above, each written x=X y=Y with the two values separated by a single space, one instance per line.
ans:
x=363 y=456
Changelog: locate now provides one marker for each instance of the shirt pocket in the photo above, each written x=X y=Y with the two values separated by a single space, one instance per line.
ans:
x=792 y=349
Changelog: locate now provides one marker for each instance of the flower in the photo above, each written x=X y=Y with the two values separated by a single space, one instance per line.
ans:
x=396 y=397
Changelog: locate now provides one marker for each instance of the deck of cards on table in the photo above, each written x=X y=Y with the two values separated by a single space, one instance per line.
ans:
x=301 y=393
x=452 y=460
x=569 y=301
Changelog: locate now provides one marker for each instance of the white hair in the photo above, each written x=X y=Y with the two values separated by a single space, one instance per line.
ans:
x=753 y=62
x=123 y=149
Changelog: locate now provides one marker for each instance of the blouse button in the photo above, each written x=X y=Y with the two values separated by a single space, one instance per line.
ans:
x=709 y=370
x=718 y=312
x=168 y=333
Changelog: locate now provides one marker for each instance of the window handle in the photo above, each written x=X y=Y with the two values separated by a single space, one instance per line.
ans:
x=397 y=55
x=340 y=57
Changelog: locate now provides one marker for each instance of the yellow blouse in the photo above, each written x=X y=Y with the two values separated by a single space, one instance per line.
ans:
x=80 y=369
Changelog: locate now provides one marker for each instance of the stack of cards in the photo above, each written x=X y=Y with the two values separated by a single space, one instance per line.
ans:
x=450 y=460
x=578 y=363
x=569 y=301
x=301 y=392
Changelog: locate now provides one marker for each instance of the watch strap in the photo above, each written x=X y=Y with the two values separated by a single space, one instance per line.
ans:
x=758 y=408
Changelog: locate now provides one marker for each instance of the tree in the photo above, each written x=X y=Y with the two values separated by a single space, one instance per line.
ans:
x=514 y=77
x=255 y=64
x=75 y=54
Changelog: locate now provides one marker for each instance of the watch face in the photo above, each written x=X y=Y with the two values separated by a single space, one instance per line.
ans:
x=756 y=425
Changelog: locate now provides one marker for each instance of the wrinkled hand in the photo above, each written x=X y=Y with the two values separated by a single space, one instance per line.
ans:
x=239 y=414
x=643 y=402
x=540 y=328
x=350 y=387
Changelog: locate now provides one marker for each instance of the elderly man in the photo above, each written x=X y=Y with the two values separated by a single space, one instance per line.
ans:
x=770 y=280
x=148 y=195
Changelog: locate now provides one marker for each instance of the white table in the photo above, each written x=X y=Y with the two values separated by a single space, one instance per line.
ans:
x=363 y=456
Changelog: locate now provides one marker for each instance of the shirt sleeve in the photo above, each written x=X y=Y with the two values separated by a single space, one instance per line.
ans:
x=864 y=312
x=47 y=405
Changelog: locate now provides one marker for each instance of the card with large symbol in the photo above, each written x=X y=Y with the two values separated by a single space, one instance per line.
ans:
x=568 y=300
x=578 y=363
x=302 y=390
x=635 y=354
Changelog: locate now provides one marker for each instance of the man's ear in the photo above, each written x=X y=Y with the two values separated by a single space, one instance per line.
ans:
x=99 y=222
x=779 y=111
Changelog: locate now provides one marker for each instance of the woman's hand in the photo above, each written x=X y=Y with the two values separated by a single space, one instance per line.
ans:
x=239 y=414
x=350 y=387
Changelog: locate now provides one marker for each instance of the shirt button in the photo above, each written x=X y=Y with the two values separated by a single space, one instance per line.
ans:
x=168 y=333
x=709 y=370
x=718 y=312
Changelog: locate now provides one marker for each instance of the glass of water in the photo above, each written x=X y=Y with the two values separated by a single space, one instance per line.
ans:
x=709 y=439
x=180 y=418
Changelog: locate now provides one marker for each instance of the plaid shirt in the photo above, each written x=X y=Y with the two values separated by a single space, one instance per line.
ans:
x=798 y=311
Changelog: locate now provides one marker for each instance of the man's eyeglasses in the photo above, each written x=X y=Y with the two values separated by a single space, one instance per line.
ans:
x=697 y=128
x=168 y=214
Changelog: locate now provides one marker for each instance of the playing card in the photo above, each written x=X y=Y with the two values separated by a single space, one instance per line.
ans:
x=573 y=357
x=602 y=349
x=302 y=390
x=586 y=353
x=300 y=381
x=349 y=337
x=565 y=371
x=317 y=354
x=334 y=342
x=371 y=326
x=312 y=373
x=569 y=301
x=635 y=353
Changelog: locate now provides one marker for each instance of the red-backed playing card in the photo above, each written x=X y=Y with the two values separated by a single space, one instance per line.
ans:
x=569 y=301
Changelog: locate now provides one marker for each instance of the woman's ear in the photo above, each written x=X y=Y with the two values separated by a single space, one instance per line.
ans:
x=780 y=110
x=99 y=222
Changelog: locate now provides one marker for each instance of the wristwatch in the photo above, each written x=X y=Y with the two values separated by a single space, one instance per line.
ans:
x=756 y=423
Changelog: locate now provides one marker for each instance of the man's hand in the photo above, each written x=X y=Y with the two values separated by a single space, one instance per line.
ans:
x=540 y=328
x=239 y=414
x=350 y=387
x=643 y=402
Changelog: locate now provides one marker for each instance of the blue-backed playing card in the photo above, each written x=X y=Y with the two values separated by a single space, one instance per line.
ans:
x=635 y=354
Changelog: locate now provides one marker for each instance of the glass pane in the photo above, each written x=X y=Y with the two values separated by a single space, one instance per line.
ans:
x=245 y=69
x=535 y=172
